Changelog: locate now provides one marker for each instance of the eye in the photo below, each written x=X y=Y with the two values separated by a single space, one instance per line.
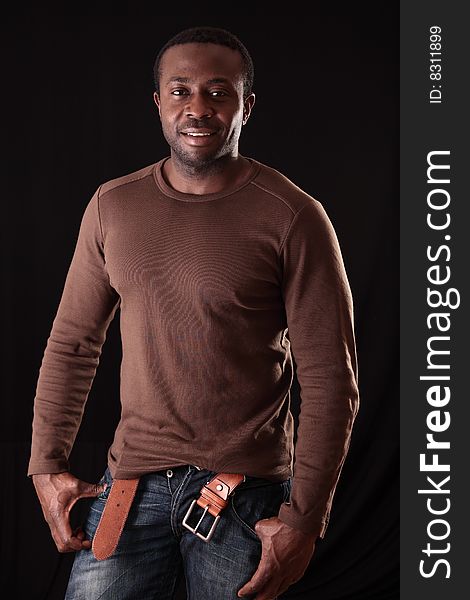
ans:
x=217 y=93
x=178 y=92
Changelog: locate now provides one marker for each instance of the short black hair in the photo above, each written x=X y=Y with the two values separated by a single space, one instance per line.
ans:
x=209 y=35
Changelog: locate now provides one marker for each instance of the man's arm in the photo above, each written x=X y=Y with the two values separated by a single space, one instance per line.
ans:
x=319 y=311
x=69 y=364
x=73 y=349
x=319 y=314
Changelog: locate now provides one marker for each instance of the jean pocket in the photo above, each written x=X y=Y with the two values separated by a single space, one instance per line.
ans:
x=251 y=504
x=97 y=505
x=287 y=490
x=109 y=481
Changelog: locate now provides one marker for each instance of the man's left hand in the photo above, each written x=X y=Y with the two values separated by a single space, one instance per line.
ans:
x=285 y=555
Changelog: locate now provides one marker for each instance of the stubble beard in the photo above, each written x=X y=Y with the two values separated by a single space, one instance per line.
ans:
x=198 y=165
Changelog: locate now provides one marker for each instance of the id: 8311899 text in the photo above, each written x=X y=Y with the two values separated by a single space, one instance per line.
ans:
x=435 y=64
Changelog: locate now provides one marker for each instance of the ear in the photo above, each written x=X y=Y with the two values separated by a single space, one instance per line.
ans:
x=156 y=99
x=248 y=104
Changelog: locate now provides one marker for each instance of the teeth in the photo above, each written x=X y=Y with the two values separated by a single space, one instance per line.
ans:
x=198 y=134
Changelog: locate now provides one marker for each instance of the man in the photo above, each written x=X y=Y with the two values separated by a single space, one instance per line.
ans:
x=223 y=270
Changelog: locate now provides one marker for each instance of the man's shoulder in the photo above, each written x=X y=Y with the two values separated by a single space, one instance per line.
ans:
x=125 y=180
x=278 y=185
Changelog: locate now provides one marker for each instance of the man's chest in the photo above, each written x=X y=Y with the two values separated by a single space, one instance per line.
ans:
x=195 y=256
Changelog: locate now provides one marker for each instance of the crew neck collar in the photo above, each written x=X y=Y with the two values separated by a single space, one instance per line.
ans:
x=185 y=197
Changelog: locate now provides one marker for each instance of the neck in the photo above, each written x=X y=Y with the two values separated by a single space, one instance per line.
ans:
x=210 y=179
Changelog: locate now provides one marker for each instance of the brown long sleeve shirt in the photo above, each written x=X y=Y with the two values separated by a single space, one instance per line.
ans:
x=218 y=295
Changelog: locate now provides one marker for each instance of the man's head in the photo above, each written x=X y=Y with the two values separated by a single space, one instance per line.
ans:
x=203 y=79
x=209 y=35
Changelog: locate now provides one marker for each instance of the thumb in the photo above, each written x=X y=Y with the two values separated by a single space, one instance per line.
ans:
x=90 y=490
x=254 y=585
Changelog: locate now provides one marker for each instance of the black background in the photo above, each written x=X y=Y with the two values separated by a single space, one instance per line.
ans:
x=78 y=111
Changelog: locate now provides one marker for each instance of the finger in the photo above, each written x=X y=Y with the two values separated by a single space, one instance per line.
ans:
x=65 y=539
x=263 y=593
x=248 y=588
x=71 y=544
x=76 y=542
x=82 y=537
x=256 y=583
x=90 y=490
x=79 y=533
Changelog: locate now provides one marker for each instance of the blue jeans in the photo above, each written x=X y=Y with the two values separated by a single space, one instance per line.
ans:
x=155 y=548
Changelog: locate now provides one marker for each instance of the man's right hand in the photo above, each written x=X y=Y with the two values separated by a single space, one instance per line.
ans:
x=57 y=493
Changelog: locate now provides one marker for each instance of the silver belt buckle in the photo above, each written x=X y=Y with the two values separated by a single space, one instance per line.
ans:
x=195 y=529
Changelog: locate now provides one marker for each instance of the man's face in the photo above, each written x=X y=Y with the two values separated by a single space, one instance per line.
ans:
x=201 y=103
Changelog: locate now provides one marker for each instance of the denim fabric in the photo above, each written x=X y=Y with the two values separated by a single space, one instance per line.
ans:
x=155 y=548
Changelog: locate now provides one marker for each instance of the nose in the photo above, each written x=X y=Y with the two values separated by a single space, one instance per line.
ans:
x=198 y=106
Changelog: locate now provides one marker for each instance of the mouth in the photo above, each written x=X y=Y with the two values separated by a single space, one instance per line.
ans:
x=198 y=137
x=198 y=132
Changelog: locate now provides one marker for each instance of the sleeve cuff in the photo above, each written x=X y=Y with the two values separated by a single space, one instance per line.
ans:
x=47 y=466
x=287 y=516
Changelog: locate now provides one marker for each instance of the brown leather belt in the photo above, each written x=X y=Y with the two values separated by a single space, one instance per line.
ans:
x=214 y=497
